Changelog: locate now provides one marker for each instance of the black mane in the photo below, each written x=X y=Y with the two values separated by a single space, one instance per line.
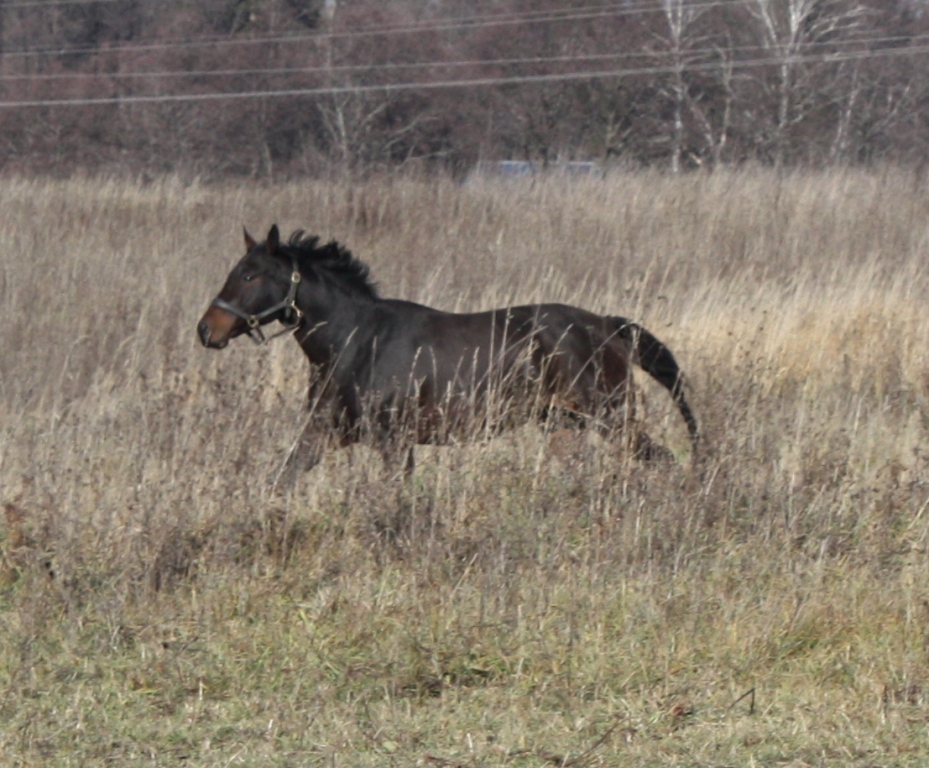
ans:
x=332 y=259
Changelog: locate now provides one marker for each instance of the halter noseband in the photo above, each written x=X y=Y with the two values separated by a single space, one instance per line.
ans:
x=292 y=316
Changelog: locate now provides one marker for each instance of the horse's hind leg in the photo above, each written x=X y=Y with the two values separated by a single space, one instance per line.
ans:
x=567 y=444
x=646 y=449
x=633 y=440
x=619 y=425
x=564 y=430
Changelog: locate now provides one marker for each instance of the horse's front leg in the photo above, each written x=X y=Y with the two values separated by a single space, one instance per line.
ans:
x=305 y=453
x=395 y=435
x=317 y=438
x=398 y=457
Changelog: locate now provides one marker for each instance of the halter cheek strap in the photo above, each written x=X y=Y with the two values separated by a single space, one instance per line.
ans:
x=292 y=316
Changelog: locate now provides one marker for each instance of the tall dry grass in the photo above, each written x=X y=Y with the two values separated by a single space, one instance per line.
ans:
x=511 y=604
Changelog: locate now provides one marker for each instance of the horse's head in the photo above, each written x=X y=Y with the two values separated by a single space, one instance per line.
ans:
x=260 y=289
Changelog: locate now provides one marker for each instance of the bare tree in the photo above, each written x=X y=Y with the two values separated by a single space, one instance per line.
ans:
x=713 y=113
x=680 y=16
x=795 y=35
x=782 y=81
x=360 y=127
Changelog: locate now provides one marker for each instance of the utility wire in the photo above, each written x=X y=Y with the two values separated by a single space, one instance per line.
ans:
x=55 y=3
x=482 y=82
x=439 y=25
x=687 y=53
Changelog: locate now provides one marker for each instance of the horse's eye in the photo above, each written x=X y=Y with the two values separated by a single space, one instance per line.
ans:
x=248 y=278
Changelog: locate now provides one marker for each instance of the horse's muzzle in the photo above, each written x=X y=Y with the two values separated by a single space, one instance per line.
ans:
x=217 y=327
x=205 y=332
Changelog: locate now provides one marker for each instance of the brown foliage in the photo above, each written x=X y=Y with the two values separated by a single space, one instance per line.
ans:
x=716 y=88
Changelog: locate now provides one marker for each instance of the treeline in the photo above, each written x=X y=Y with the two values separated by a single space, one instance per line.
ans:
x=288 y=87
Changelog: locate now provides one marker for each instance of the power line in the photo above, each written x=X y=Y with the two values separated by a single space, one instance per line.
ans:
x=452 y=84
x=441 y=25
x=48 y=3
x=438 y=64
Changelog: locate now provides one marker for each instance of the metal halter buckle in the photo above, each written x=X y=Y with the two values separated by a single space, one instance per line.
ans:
x=288 y=304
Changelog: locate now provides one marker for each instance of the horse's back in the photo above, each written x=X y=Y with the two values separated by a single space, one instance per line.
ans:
x=561 y=346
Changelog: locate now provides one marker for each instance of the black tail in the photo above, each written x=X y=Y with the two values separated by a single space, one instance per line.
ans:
x=656 y=360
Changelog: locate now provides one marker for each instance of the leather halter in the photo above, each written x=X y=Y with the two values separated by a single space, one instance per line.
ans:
x=292 y=316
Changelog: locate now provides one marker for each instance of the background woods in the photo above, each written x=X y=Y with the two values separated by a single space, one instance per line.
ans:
x=261 y=87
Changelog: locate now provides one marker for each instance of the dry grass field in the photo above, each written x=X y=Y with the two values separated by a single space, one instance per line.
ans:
x=517 y=602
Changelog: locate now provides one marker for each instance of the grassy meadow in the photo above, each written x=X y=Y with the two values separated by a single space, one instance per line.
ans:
x=519 y=601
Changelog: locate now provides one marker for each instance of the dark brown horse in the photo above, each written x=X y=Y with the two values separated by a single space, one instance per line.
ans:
x=406 y=373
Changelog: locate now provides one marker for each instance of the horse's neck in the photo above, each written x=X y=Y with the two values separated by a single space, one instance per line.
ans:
x=329 y=331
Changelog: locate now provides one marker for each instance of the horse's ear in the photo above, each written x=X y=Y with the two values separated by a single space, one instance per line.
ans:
x=249 y=240
x=274 y=240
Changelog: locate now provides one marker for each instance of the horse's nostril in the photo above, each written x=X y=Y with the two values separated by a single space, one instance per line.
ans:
x=203 y=330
